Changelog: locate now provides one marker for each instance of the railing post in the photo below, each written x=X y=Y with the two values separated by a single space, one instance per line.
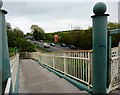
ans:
x=89 y=68
x=109 y=60
x=99 y=76
x=0 y=48
x=4 y=64
x=65 y=71
x=53 y=61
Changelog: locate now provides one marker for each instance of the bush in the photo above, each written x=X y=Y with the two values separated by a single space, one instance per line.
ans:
x=11 y=52
x=24 y=45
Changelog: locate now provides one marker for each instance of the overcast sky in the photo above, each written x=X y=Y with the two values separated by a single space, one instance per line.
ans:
x=55 y=15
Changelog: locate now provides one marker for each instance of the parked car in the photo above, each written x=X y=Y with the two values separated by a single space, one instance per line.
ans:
x=63 y=45
x=46 y=45
x=72 y=47
x=52 y=44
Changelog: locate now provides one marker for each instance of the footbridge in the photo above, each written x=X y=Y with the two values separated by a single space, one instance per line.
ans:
x=85 y=71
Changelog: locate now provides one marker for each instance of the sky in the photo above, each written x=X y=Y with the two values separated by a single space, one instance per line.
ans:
x=55 y=15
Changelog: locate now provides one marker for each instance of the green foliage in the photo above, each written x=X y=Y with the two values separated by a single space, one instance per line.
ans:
x=23 y=45
x=80 y=38
x=49 y=37
x=29 y=34
x=8 y=26
x=13 y=35
x=18 y=32
x=38 y=32
x=11 y=38
x=11 y=52
x=115 y=37
x=83 y=38
x=16 y=39
x=113 y=25
x=115 y=40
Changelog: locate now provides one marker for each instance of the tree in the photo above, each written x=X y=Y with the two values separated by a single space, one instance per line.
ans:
x=29 y=34
x=112 y=25
x=11 y=38
x=115 y=37
x=18 y=32
x=38 y=32
x=49 y=37
x=24 y=45
x=8 y=26
x=16 y=39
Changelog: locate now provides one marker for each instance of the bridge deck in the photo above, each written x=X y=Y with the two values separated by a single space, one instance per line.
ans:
x=35 y=79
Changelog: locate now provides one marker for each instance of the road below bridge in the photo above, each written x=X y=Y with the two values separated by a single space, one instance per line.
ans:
x=57 y=47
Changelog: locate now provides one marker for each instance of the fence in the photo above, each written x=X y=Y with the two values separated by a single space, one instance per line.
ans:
x=78 y=65
x=74 y=64
x=14 y=61
x=115 y=69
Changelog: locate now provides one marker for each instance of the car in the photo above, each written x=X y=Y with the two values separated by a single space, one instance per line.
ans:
x=41 y=40
x=63 y=45
x=72 y=47
x=28 y=40
x=52 y=44
x=46 y=45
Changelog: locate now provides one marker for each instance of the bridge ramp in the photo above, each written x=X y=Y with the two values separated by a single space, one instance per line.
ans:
x=35 y=79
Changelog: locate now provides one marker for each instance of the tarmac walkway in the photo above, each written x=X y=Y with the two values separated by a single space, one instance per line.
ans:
x=33 y=78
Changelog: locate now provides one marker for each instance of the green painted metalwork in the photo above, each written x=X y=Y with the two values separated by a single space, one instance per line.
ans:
x=73 y=81
x=0 y=52
x=4 y=54
x=99 y=8
x=0 y=47
x=99 y=48
x=109 y=60
x=114 y=31
x=17 y=81
x=110 y=33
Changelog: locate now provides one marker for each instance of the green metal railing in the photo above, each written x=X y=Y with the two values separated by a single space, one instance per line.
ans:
x=12 y=82
x=4 y=54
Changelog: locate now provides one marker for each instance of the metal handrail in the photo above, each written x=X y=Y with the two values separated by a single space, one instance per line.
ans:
x=14 y=70
x=11 y=82
x=77 y=65
x=8 y=86
x=74 y=64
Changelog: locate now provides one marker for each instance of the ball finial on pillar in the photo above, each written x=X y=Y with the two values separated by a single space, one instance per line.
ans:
x=1 y=4
x=99 y=8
